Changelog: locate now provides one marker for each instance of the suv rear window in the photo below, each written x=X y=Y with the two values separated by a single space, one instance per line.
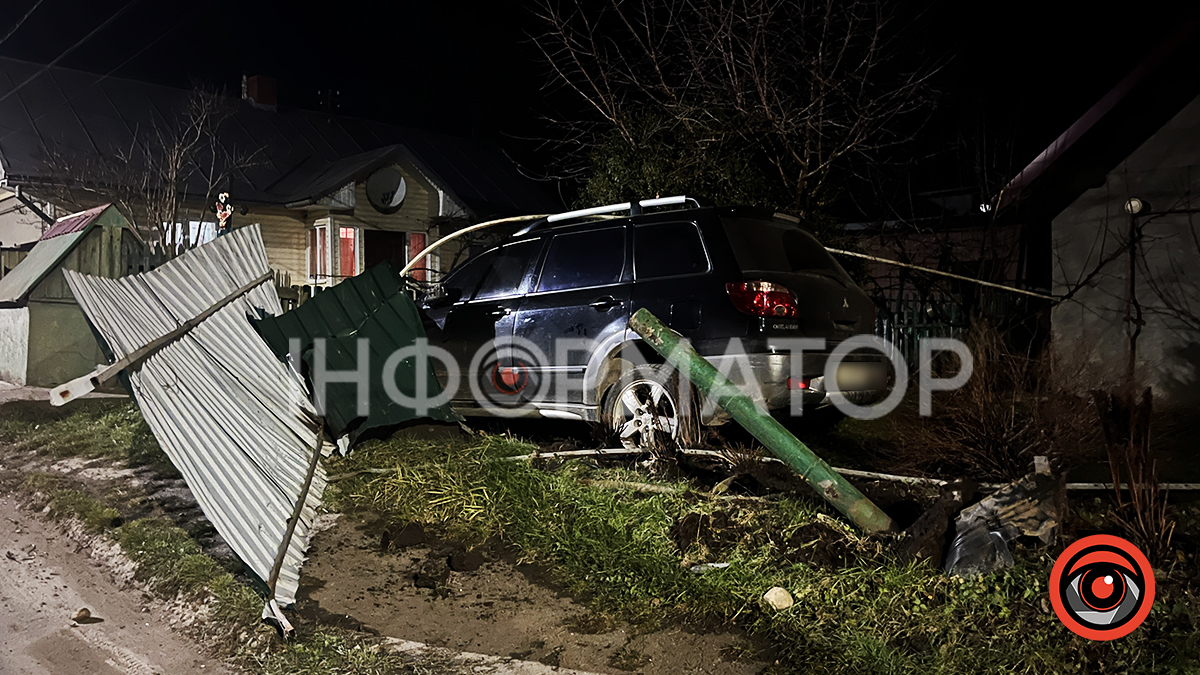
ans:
x=584 y=259
x=668 y=250
x=769 y=246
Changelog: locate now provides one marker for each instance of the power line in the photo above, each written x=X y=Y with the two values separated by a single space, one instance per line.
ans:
x=70 y=49
x=119 y=66
x=21 y=21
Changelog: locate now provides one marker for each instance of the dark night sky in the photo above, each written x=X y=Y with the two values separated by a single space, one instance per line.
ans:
x=1031 y=67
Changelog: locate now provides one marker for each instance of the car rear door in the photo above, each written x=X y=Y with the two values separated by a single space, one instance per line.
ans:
x=672 y=273
x=578 y=306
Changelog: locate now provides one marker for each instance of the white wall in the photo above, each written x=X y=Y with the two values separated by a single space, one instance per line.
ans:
x=1089 y=333
x=14 y=344
x=18 y=225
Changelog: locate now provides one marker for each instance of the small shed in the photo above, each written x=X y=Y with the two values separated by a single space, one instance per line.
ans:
x=44 y=338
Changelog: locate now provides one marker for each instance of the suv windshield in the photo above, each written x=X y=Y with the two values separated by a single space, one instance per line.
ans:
x=769 y=246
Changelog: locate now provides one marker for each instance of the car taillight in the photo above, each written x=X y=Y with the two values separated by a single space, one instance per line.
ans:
x=762 y=298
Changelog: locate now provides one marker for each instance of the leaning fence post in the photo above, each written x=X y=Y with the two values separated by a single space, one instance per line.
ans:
x=827 y=482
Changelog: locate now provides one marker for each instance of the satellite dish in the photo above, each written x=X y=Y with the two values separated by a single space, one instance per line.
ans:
x=386 y=189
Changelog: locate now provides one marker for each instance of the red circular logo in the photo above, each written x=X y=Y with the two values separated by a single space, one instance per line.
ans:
x=1102 y=587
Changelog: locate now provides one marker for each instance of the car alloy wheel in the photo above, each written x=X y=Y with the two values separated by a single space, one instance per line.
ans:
x=645 y=415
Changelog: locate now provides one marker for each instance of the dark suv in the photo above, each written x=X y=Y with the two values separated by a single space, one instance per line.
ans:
x=539 y=324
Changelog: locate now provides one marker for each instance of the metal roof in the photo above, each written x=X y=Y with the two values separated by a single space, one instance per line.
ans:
x=55 y=244
x=234 y=419
x=302 y=154
x=76 y=222
x=374 y=306
x=42 y=260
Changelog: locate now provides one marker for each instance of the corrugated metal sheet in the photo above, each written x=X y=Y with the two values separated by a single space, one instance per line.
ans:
x=36 y=265
x=374 y=306
x=76 y=222
x=233 y=418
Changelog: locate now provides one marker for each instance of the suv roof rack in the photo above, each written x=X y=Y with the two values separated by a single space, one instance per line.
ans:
x=634 y=209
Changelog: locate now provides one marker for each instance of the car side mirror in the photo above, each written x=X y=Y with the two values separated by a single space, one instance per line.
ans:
x=448 y=297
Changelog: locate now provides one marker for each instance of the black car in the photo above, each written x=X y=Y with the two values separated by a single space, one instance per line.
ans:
x=539 y=323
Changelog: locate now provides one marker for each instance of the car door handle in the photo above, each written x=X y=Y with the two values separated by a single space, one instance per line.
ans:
x=603 y=304
x=497 y=313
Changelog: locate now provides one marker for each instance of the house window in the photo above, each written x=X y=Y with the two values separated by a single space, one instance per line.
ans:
x=348 y=251
x=318 y=253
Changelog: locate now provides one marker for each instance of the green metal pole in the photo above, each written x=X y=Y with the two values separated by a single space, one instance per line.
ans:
x=827 y=482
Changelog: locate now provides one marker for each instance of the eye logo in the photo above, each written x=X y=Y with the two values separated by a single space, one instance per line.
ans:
x=1102 y=587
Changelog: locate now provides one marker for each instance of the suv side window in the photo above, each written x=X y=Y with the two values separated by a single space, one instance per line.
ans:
x=466 y=276
x=584 y=259
x=508 y=270
x=668 y=250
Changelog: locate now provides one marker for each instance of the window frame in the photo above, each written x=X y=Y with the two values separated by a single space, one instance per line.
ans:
x=703 y=248
x=626 y=260
x=522 y=288
x=315 y=277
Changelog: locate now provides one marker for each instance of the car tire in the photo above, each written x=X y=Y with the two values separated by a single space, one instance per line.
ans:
x=652 y=408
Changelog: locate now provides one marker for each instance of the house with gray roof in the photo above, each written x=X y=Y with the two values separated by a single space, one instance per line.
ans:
x=333 y=195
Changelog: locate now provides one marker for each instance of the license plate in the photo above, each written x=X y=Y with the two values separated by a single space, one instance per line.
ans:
x=861 y=376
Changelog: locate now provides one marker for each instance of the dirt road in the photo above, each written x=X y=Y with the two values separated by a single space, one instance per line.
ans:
x=45 y=578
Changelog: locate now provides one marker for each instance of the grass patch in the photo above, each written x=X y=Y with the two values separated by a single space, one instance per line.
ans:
x=336 y=654
x=91 y=428
x=75 y=503
x=617 y=549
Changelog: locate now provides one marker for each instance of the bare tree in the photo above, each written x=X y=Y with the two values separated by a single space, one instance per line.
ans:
x=168 y=175
x=806 y=84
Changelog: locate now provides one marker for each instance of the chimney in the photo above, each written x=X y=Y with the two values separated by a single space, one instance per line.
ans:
x=259 y=90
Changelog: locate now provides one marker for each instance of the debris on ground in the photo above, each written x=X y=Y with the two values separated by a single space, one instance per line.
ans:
x=926 y=538
x=706 y=567
x=1032 y=506
x=778 y=598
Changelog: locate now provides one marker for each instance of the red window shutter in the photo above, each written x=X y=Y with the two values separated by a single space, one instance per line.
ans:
x=416 y=245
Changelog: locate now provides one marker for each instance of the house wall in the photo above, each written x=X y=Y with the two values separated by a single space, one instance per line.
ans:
x=19 y=225
x=283 y=237
x=14 y=353
x=285 y=231
x=1089 y=332
x=61 y=344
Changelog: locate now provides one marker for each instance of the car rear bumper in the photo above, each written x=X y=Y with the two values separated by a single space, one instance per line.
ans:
x=768 y=379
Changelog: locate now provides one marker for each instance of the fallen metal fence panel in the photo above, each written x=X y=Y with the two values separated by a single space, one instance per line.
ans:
x=233 y=418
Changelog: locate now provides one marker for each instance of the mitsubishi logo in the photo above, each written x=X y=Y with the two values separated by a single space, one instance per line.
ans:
x=845 y=303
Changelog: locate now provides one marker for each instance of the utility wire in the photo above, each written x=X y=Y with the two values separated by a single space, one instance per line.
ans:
x=107 y=75
x=20 y=21
x=70 y=49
